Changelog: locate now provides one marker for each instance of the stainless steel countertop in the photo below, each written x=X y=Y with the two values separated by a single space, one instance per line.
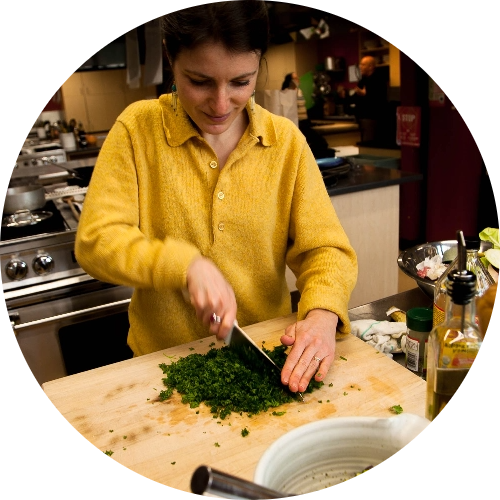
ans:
x=51 y=171
x=377 y=310
x=404 y=301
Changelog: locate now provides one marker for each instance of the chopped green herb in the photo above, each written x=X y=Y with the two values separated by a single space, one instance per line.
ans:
x=165 y=394
x=345 y=393
x=191 y=348
x=227 y=382
x=320 y=401
x=173 y=463
x=330 y=384
x=342 y=357
x=124 y=449
x=197 y=412
x=110 y=430
x=217 y=445
x=327 y=400
x=108 y=452
x=245 y=432
x=211 y=345
x=278 y=413
x=397 y=409
x=124 y=437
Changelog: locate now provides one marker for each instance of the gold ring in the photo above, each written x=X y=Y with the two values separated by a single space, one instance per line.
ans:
x=214 y=318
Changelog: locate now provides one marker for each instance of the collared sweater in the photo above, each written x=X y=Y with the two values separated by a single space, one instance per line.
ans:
x=158 y=199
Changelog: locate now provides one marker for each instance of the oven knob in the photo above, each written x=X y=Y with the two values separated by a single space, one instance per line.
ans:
x=43 y=264
x=16 y=269
x=33 y=162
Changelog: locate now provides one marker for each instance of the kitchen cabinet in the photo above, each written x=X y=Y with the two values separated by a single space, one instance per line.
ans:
x=96 y=98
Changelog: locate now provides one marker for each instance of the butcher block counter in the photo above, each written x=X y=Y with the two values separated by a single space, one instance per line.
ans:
x=117 y=409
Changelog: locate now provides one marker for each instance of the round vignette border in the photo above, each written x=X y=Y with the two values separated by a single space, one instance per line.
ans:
x=372 y=18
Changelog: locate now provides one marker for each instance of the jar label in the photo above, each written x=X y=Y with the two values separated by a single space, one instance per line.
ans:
x=412 y=350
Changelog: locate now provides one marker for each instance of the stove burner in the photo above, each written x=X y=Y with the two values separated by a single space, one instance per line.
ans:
x=53 y=224
x=25 y=218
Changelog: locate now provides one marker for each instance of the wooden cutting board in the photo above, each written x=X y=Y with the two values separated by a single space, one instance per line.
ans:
x=116 y=408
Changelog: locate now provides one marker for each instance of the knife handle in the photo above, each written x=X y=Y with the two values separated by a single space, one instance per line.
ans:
x=208 y=480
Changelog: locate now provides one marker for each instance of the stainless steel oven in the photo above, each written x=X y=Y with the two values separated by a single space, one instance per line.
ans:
x=64 y=320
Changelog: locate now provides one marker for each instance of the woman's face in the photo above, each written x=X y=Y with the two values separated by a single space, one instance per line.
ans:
x=214 y=85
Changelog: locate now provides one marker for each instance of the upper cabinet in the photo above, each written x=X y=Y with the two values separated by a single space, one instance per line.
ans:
x=385 y=54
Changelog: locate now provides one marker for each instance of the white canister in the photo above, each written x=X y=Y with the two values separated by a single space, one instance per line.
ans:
x=68 y=141
x=329 y=64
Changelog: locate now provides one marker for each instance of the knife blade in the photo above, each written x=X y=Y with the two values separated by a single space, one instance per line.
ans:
x=239 y=340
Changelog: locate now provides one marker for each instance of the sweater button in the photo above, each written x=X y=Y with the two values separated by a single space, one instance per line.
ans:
x=220 y=195
x=221 y=226
x=213 y=164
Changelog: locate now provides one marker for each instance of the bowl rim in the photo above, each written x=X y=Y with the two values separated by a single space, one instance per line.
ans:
x=426 y=282
x=408 y=423
x=418 y=279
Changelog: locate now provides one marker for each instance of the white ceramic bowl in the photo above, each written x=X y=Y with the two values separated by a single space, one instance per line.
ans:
x=320 y=454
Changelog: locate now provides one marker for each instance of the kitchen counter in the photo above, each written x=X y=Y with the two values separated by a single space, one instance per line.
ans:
x=116 y=408
x=364 y=177
x=377 y=310
x=89 y=151
x=51 y=172
x=324 y=127
x=404 y=301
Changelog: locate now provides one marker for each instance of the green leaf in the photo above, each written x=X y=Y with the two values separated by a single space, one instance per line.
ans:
x=397 y=409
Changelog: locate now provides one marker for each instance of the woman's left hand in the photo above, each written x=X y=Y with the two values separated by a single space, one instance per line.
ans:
x=313 y=341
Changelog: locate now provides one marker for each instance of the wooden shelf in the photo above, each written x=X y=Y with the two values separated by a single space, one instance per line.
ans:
x=381 y=52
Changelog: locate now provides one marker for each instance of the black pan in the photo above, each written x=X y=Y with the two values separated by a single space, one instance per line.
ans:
x=329 y=163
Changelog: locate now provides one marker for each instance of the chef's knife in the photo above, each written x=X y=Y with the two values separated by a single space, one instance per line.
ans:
x=237 y=339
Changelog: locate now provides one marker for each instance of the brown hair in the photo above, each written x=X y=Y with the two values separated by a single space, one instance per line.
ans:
x=240 y=25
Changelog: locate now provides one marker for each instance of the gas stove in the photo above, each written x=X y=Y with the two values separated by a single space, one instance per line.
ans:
x=34 y=255
x=65 y=321
x=39 y=255
x=41 y=154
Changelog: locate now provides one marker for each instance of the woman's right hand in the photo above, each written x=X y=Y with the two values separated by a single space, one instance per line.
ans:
x=210 y=294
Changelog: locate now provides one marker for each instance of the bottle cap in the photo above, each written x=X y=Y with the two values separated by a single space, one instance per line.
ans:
x=419 y=319
x=472 y=242
x=461 y=286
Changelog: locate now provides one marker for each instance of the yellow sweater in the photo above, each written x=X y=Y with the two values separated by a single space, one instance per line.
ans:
x=157 y=199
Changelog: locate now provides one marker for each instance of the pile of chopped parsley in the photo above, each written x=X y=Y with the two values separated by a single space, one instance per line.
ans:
x=227 y=382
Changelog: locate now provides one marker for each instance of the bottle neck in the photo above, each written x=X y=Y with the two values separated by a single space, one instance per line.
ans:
x=472 y=260
x=465 y=312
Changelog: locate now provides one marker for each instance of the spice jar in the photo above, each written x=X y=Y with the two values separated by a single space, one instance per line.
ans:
x=419 y=325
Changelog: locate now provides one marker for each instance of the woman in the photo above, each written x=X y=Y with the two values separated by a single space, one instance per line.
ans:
x=199 y=199
x=317 y=143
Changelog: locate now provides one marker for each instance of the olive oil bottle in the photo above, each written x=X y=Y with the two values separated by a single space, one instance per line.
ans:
x=453 y=344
